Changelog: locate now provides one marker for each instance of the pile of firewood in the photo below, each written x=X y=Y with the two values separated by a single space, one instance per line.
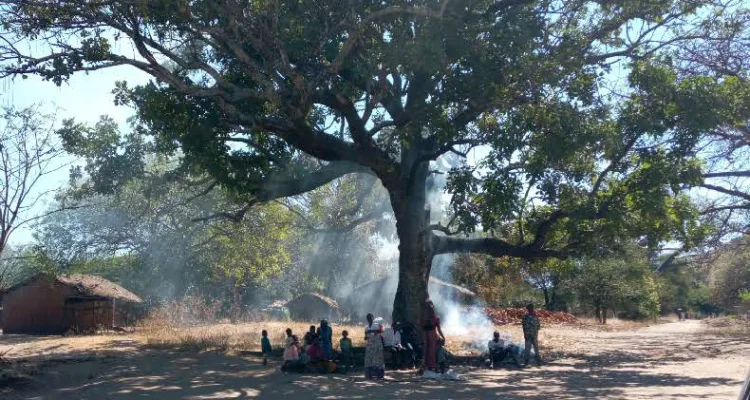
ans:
x=513 y=316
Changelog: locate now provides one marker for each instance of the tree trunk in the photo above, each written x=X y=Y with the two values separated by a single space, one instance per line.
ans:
x=409 y=202
x=547 y=302
x=413 y=276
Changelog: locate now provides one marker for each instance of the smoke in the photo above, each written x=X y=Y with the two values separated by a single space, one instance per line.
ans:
x=457 y=319
x=467 y=321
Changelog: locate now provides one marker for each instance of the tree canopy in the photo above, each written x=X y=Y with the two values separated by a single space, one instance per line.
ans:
x=274 y=99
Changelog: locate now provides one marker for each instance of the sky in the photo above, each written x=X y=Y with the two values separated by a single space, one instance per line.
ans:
x=86 y=97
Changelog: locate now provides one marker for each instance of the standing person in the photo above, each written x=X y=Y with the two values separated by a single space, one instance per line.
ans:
x=392 y=342
x=265 y=346
x=374 y=363
x=371 y=328
x=326 y=338
x=531 y=325
x=292 y=356
x=431 y=333
x=289 y=339
x=345 y=344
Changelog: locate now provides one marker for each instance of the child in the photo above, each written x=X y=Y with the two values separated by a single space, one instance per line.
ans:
x=442 y=357
x=288 y=339
x=292 y=356
x=265 y=346
x=345 y=344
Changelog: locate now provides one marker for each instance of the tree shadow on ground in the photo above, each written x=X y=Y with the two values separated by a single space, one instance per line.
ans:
x=13 y=339
x=158 y=374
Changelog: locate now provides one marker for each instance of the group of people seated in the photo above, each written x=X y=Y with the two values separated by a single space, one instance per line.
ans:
x=315 y=354
x=406 y=347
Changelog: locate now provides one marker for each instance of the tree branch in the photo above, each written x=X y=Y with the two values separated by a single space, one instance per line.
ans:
x=727 y=174
x=286 y=187
x=491 y=246
x=730 y=192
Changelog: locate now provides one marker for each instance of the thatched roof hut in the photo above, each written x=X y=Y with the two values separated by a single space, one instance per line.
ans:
x=57 y=304
x=313 y=307
x=377 y=296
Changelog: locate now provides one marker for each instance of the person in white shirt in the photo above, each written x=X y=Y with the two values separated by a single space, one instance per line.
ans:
x=392 y=342
x=499 y=349
x=371 y=328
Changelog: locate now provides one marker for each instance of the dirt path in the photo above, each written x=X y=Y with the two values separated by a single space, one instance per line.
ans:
x=669 y=361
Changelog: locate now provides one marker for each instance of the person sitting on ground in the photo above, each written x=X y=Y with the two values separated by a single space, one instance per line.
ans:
x=265 y=346
x=292 y=356
x=345 y=344
x=412 y=342
x=392 y=343
x=317 y=361
x=315 y=355
x=288 y=339
x=309 y=337
x=442 y=356
x=531 y=326
x=498 y=349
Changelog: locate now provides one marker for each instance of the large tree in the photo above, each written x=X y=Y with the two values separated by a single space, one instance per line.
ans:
x=250 y=90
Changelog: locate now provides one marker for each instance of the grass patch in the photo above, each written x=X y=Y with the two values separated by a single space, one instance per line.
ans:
x=726 y=326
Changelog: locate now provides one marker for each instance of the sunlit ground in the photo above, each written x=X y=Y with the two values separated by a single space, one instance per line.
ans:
x=665 y=361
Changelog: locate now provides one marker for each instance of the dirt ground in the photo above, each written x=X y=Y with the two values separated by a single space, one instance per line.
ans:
x=666 y=361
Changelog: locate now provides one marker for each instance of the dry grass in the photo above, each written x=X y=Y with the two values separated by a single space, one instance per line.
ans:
x=246 y=336
x=616 y=325
x=725 y=326
x=230 y=337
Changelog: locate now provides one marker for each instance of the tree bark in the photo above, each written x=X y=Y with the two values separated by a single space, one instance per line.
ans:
x=409 y=202
x=547 y=302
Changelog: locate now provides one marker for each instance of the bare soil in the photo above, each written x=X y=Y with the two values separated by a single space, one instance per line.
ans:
x=665 y=361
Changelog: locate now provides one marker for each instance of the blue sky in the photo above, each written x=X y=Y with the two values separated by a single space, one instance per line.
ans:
x=85 y=97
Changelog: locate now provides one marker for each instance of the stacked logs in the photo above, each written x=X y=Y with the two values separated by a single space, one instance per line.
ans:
x=513 y=316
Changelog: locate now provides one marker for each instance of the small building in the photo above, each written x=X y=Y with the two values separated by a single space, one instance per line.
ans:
x=313 y=307
x=45 y=304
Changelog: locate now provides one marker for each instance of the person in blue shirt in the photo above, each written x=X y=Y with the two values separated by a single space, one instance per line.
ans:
x=326 y=339
x=265 y=346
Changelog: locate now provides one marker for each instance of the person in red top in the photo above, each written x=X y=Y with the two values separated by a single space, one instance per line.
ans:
x=431 y=334
x=315 y=353
x=317 y=360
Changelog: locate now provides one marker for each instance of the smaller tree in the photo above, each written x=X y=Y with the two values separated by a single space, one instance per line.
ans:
x=499 y=282
x=15 y=265
x=549 y=277
x=620 y=282
x=729 y=273
x=29 y=153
